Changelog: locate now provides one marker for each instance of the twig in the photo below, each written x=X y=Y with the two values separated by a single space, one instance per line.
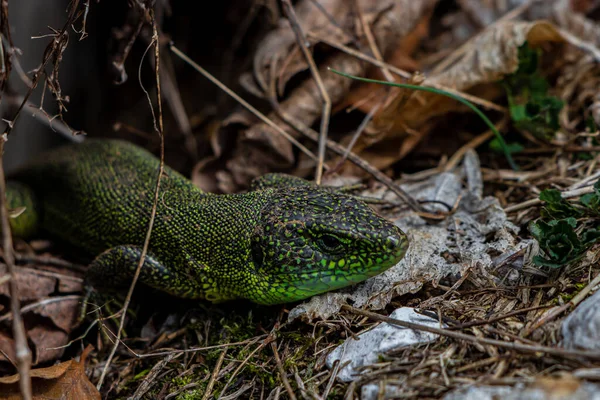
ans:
x=301 y=39
x=282 y=374
x=159 y=131
x=195 y=349
x=496 y=318
x=358 y=132
x=565 y=195
x=360 y=56
x=49 y=260
x=334 y=373
x=119 y=62
x=364 y=165
x=371 y=40
x=213 y=376
x=243 y=102
x=580 y=44
x=23 y=353
x=472 y=144
x=554 y=351
x=150 y=379
x=52 y=47
x=41 y=303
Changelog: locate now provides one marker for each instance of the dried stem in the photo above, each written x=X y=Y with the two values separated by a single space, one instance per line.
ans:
x=564 y=195
x=555 y=312
x=159 y=131
x=282 y=374
x=22 y=350
x=213 y=376
x=301 y=40
x=53 y=47
x=525 y=348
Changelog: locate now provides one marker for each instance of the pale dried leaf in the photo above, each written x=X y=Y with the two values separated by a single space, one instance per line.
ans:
x=490 y=57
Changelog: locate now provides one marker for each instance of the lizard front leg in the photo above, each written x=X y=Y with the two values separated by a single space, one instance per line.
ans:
x=115 y=268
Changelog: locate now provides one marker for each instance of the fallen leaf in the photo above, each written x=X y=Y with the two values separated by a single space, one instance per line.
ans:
x=394 y=22
x=490 y=57
x=49 y=313
x=64 y=381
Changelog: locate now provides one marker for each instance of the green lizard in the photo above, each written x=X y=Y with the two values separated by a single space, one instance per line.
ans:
x=285 y=241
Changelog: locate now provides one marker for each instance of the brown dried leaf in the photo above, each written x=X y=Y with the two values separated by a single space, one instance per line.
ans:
x=64 y=381
x=48 y=343
x=304 y=103
x=49 y=316
x=32 y=285
x=280 y=44
x=485 y=13
x=491 y=56
x=48 y=324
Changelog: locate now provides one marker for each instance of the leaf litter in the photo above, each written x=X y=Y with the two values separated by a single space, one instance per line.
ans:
x=512 y=261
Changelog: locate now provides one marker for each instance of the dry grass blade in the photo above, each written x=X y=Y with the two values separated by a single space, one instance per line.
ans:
x=213 y=376
x=359 y=162
x=301 y=40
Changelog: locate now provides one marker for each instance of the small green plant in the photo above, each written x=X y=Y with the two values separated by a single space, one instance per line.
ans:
x=565 y=230
x=531 y=107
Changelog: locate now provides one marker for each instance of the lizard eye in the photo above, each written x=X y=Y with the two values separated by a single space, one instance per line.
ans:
x=329 y=243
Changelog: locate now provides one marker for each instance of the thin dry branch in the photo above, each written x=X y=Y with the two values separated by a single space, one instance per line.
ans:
x=565 y=195
x=326 y=113
x=524 y=348
x=52 y=52
x=23 y=353
x=159 y=130
x=213 y=376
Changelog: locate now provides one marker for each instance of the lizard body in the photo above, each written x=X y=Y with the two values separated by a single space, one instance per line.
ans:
x=275 y=244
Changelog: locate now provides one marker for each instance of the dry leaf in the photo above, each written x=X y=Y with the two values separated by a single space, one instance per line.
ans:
x=50 y=314
x=489 y=58
x=280 y=44
x=64 y=381
x=394 y=22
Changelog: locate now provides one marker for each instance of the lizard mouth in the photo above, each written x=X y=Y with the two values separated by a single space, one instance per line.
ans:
x=289 y=288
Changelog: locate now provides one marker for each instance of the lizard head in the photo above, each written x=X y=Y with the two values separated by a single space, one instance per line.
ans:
x=310 y=241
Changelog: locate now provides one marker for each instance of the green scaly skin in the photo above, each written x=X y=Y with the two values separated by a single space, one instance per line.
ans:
x=285 y=241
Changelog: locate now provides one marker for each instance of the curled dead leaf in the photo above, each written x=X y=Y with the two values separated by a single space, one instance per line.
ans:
x=49 y=307
x=389 y=22
x=494 y=54
x=63 y=381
